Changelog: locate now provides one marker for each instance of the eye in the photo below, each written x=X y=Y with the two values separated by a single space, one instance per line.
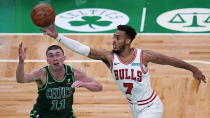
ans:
x=57 y=55
x=118 y=38
x=50 y=56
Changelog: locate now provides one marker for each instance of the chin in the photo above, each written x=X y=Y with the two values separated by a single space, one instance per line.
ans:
x=116 y=51
x=56 y=67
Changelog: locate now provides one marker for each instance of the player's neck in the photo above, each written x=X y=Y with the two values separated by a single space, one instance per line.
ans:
x=58 y=73
x=126 y=52
x=127 y=55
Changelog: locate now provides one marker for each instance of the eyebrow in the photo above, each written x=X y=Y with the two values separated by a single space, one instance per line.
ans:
x=116 y=35
x=55 y=52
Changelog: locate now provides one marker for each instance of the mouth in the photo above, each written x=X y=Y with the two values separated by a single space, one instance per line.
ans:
x=56 y=64
x=114 y=46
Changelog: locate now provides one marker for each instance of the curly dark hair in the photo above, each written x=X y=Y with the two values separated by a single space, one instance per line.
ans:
x=54 y=47
x=130 y=32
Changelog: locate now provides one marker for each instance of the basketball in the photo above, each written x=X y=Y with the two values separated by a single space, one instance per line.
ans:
x=43 y=14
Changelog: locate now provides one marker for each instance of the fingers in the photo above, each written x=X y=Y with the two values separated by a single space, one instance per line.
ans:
x=53 y=24
x=199 y=76
x=43 y=30
x=203 y=79
x=74 y=85
x=45 y=33
x=20 y=47
x=198 y=84
x=47 y=28
x=25 y=49
x=21 y=52
x=77 y=84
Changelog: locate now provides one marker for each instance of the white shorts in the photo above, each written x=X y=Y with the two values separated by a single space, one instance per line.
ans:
x=152 y=110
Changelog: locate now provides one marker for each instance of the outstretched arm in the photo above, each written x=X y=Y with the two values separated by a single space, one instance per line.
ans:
x=78 y=47
x=150 y=56
x=21 y=76
x=82 y=80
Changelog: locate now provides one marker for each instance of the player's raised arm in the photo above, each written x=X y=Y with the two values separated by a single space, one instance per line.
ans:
x=150 y=56
x=21 y=76
x=99 y=54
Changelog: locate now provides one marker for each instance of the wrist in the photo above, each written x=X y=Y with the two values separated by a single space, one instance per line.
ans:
x=85 y=85
x=21 y=61
x=195 y=71
x=56 y=36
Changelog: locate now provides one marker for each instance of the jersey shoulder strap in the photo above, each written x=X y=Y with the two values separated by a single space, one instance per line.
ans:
x=70 y=72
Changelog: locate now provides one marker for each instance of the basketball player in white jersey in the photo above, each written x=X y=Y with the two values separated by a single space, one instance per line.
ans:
x=129 y=67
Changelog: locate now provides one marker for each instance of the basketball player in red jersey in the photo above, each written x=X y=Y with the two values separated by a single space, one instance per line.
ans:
x=129 y=67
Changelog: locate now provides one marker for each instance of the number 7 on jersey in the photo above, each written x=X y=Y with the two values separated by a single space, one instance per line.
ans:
x=130 y=87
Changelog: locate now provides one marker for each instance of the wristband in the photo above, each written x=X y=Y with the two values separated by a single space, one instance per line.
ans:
x=74 y=45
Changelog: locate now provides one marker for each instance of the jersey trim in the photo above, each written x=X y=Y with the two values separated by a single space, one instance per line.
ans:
x=72 y=70
x=141 y=63
x=46 y=83
x=32 y=115
x=111 y=61
x=54 y=77
x=145 y=101
x=148 y=100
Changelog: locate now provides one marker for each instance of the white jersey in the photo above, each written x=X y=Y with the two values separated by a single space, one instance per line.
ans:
x=133 y=79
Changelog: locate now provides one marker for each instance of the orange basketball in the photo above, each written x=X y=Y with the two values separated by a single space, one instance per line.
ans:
x=43 y=14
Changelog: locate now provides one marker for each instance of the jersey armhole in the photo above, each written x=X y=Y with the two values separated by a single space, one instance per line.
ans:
x=72 y=71
x=141 y=63
x=111 y=61
x=45 y=85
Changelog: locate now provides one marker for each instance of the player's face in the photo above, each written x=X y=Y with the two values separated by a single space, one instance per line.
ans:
x=119 y=40
x=55 y=58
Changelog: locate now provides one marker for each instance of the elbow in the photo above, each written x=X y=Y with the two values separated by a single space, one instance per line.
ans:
x=19 y=80
x=100 y=88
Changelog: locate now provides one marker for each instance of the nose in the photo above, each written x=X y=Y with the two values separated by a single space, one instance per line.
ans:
x=114 y=40
x=54 y=58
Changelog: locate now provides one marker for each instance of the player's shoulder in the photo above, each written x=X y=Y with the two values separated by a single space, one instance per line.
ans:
x=109 y=52
x=78 y=73
x=39 y=71
x=105 y=53
x=147 y=51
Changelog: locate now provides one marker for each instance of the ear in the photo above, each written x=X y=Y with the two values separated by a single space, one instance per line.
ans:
x=47 y=61
x=64 y=58
x=128 y=41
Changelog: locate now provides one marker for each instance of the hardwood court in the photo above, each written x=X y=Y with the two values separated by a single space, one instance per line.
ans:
x=175 y=87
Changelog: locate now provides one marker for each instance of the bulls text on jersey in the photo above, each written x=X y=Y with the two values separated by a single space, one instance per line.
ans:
x=121 y=74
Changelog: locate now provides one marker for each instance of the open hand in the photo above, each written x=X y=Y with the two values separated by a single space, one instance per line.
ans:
x=50 y=30
x=200 y=77
x=78 y=84
x=22 y=52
